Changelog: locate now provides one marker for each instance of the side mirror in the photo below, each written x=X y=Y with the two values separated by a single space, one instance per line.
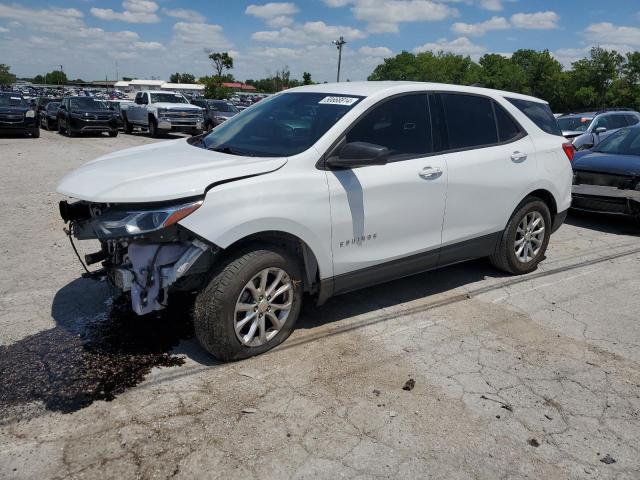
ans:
x=600 y=130
x=359 y=154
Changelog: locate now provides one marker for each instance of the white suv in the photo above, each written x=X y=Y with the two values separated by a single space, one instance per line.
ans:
x=323 y=189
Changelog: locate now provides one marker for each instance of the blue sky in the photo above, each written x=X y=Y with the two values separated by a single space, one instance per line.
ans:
x=156 y=37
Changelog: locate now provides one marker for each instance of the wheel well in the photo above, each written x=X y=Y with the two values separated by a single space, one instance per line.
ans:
x=546 y=197
x=291 y=244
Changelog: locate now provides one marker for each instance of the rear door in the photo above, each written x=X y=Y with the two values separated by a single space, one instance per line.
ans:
x=490 y=168
x=389 y=217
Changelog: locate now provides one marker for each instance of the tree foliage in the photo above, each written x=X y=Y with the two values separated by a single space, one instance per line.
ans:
x=182 y=78
x=604 y=78
x=306 y=78
x=221 y=61
x=6 y=77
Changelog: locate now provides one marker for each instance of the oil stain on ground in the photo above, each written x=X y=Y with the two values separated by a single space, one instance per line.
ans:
x=69 y=368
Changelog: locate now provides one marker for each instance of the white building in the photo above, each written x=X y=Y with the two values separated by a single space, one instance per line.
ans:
x=138 y=85
x=190 y=88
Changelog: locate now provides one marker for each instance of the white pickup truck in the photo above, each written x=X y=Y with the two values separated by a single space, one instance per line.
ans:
x=162 y=112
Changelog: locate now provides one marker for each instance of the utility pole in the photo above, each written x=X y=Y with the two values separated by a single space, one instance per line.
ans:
x=117 y=74
x=339 y=43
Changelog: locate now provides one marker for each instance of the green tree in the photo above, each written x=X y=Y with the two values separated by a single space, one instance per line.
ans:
x=501 y=73
x=306 y=78
x=221 y=62
x=39 y=79
x=6 y=77
x=542 y=75
x=213 y=87
x=175 y=78
x=182 y=78
x=56 y=77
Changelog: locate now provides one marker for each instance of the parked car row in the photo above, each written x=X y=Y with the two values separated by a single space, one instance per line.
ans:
x=586 y=129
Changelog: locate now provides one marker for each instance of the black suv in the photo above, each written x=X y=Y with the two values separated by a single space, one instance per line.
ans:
x=215 y=111
x=87 y=115
x=16 y=115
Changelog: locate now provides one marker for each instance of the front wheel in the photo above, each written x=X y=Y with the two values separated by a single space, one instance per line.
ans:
x=35 y=132
x=153 y=128
x=525 y=239
x=126 y=126
x=113 y=133
x=251 y=304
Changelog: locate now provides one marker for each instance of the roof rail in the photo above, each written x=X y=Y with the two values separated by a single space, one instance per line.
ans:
x=615 y=109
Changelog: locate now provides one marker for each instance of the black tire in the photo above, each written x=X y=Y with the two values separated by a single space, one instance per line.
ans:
x=42 y=124
x=153 y=127
x=504 y=257
x=35 y=132
x=113 y=133
x=60 y=129
x=195 y=131
x=126 y=126
x=214 y=311
x=70 y=132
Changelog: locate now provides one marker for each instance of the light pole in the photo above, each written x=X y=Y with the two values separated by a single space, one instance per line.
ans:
x=339 y=43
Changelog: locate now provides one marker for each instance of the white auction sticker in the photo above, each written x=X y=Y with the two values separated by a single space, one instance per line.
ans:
x=16 y=98
x=338 y=101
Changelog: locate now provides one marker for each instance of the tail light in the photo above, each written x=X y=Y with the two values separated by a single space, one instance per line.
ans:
x=569 y=150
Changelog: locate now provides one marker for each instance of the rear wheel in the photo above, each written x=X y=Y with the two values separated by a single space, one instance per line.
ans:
x=251 y=304
x=113 y=133
x=525 y=239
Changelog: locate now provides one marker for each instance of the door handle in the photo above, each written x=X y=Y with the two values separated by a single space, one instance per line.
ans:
x=430 y=172
x=518 y=156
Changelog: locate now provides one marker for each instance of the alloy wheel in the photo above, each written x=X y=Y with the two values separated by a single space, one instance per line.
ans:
x=529 y=236
x=263 y=307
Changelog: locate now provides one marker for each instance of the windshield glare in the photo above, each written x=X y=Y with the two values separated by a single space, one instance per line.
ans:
x=12 y=101
x=167 y=98
x=280 y=126
x=577 y=124
x=86 y=103
x=223 y=107
x=622 y=142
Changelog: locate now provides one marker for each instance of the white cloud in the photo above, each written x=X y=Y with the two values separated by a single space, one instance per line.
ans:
x=204 y=35
x=383 y=16
x=135 y=11
x=460 y=46
x=613 y=34
x=3 y=30
x=148 y=45
x=308 y=33
x=375 y=51
x=493 y=5
x=275 y=14
x=477 y=29
x=536 y=21
x=184 y=14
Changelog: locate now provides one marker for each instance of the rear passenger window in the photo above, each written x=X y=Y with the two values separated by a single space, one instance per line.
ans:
x=632 y=119
x=508 y=129
x=618 y=121
x=539 y=113
x=470 y=121
x=400 y=124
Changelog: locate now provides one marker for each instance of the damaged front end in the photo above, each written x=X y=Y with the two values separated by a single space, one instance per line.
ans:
x=143 y=249
x=606 y=192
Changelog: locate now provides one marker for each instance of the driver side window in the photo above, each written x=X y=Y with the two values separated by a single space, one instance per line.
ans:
x=602 y=121
x=401 y=124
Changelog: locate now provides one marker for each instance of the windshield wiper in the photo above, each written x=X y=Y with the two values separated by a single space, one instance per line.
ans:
x=228 y=150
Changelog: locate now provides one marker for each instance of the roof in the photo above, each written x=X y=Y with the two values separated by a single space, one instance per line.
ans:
x=241 y=86
x=182 y=86
x=367 y=89
x=147 y=82
x=121 y=83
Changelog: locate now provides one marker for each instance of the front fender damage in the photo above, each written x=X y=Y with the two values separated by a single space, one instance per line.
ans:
x=154 y=267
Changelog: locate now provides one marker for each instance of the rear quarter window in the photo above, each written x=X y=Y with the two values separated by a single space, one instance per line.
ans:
x=538 y=113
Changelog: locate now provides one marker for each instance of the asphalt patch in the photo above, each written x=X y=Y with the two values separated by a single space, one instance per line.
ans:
x=69 y=368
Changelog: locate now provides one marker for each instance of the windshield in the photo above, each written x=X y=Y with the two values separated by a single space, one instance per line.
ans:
x=53 y=105
x=9 y=100
x=223 y=107
x=167 y=98
x=280 y=126
x=576 y=124
x=622 y=142
x=86 y=103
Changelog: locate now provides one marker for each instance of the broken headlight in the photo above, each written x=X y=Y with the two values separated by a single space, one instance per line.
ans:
x=126 y=223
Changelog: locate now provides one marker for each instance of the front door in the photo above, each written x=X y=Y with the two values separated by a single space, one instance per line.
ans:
x=387 y=219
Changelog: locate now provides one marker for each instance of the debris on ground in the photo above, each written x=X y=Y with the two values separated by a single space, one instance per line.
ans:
x=376 y=392
x=249 y=410
x=533 y=442
x=504 y=405
x=393 y=414
x=608 y=459
x=409 y=384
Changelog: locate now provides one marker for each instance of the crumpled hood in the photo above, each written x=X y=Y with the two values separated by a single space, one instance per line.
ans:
x=157 y=172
